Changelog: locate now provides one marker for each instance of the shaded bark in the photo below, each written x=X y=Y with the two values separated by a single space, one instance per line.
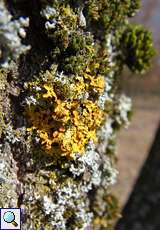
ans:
x=142 y=210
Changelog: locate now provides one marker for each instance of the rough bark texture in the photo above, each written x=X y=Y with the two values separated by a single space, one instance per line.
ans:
x=60 y=108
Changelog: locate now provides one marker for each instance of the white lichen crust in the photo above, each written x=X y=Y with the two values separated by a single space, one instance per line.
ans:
x=11 y=34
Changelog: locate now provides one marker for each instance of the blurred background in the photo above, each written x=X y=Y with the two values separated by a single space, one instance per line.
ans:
x=134 y=143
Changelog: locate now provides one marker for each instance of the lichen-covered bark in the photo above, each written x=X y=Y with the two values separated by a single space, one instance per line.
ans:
x=60 y=108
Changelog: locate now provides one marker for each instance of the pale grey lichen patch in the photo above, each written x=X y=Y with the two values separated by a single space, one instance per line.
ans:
x=109 y=173
x=49 y=13
x=82 y=19
x=110 y=48
x=106 y=95
x=68 y=198
x=89 y=160
x=99 y=168
x=11 y=33
x=105 y=134
x=123 y=110
x=59 y=205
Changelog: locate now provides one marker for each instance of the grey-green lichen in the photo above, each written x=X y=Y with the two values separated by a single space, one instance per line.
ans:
x=60 y=110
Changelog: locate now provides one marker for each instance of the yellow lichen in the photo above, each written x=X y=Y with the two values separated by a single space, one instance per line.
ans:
x=101 y=222
x=50 y=92
x=65 y=126
x=95 y=80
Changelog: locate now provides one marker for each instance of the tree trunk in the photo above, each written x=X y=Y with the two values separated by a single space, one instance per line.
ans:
x=60 y=108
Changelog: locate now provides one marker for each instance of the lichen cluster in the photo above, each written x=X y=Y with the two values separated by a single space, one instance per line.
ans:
x=11 y=33
x=60 y=108
x=66 y=124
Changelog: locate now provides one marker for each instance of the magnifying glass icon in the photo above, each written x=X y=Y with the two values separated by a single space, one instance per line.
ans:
x=9 y=217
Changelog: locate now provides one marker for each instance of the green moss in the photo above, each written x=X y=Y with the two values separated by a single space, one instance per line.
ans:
x=80 y=43
x=137 y=46
x=79 y=53
x=74 y=64
x=108 y=14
